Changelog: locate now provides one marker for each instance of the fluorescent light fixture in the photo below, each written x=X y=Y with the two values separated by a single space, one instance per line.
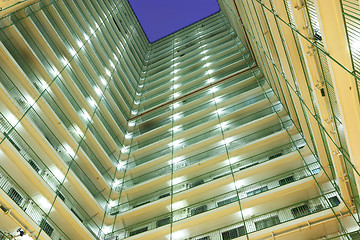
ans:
x=120 y=165
x=177 y=205
x=79 y=43
x=209 y=71
x=64 y=61
x=69 y=150
x=176 y=128
x=177 y=159
x=219 y=111
x=55 y=72
x=116 y=183
x=43 y=203
x=223 y=124
x=124 y=149
x=176 y=105
x=247 y=212
x=175 y=86
x=86 y=115
x=57 y=173
x=177 y=116
x=210 y=80
x=107 y=229
x=116 y=58
x=98 y=90
x=72 y=52
x=112 y=64
x=78 y=131
x=30 y=100
x=92 y=102
x=175 y=143
x=107 y=72
x=44 y=85
x=240 y=183
x=213 y=89
x=103 y=81
x=128 y=136
x=226 y=141
x=11 y=118
x=234 y=160
x=182 y=234
x=112 y=203
x=207 y=64
x=176 y=180
x=121 y=45
x=176 y=95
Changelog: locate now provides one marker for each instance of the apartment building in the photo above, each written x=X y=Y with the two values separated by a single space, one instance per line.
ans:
x=244 y=125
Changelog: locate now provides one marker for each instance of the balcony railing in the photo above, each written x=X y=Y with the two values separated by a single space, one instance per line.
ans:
x=202 y=106
x=50 y=178
x=243 y=192
x=29 y=206
x=250 y=225
x=289 y=213
x=230 y=125
x=207 y=154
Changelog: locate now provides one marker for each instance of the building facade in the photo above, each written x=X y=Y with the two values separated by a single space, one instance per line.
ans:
x=244 y=125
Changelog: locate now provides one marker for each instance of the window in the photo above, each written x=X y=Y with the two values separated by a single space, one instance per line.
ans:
x=267 y=222
x=14 y=195
x=144 y=229
x=46 y=227
x=227 y=201
x=196 y=183
x=275 y=155
x=300 y=211
x=233 y=233
x=256 y=191
x=162 y=222
x=286 y=180
x=334 y=201
x=198 y=210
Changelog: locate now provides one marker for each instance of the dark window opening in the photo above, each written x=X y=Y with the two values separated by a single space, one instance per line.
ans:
x=117 y=26
x=300 y=211
x=233 y=233
x=267 y=222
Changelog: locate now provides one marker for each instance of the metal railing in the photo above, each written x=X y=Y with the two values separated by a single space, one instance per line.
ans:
x=29 y=206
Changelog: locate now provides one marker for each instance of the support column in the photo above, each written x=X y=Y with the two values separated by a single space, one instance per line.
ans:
x=336 y=44
x=316 y=83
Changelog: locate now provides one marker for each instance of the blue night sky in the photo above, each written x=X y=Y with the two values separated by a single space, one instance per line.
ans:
x=160 y=18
